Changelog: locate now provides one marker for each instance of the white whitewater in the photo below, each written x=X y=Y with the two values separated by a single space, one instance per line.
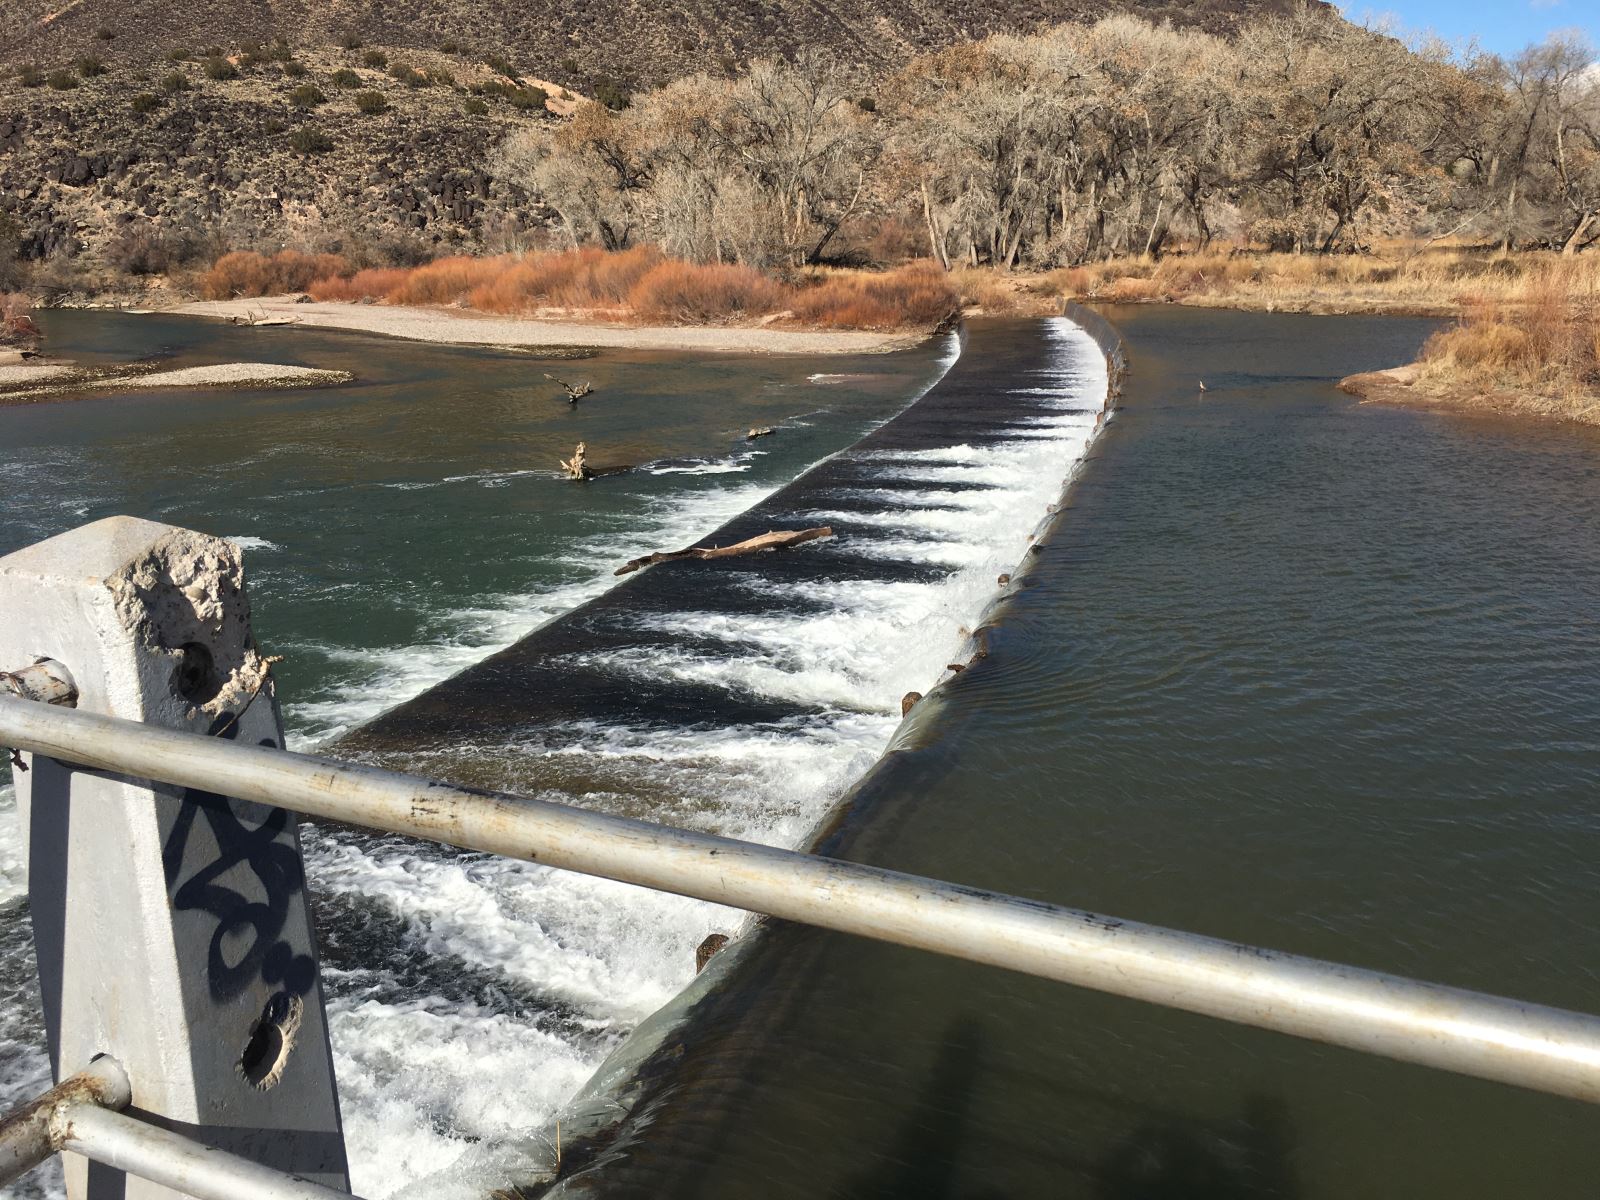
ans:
x=433 y=1085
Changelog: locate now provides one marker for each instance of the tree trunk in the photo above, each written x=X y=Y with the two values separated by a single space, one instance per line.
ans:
x=935 y=240
x=772 y=540
x=1570 y=247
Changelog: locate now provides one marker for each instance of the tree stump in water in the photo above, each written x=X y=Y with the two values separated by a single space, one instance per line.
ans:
x=771 y=540
x=763 y=431
x=575 y=391
x=577 y=467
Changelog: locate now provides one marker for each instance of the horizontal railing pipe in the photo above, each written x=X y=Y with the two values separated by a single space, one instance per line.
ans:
x=1528 y=1045
x=180 y=1163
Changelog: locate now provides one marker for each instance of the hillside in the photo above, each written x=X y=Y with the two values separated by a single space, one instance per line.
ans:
x=577 y=43
x=138 y=138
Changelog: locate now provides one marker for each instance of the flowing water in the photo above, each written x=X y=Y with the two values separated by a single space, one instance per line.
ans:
x=1292 y=670
x=410 y=525
x=395 y=532
x=1289 y=669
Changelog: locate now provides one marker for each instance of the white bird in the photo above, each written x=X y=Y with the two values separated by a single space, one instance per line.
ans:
x=1202 y=385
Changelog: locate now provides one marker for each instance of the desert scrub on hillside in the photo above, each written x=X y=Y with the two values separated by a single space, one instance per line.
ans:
x=62 y=81
x=29 y=75
x=174 y=82
x=345 y=78
x=308 y=139
x=371 y=103
x=307 y=95
x=220 y=69
x=145 y=102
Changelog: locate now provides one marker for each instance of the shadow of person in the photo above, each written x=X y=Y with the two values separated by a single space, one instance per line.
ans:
x=921 y=1163
x=1246 y=1158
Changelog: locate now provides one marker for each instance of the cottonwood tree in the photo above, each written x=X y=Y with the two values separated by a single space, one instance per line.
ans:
x=1333 y=113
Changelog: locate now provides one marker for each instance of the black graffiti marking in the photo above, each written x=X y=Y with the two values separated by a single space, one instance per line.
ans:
x=275 y=864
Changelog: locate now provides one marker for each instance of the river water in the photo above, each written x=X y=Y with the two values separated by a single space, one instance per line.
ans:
x=1290 y=669
x=395 y=532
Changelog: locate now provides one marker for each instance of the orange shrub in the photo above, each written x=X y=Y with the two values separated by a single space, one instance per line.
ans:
x=16 y=321
x=246 y=273
x=920 y=296
x=684 y=293
x=374 y=283
x=587 y=278
x=448 y=280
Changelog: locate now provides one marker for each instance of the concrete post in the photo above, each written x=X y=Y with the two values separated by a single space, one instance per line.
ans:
x=171 y=924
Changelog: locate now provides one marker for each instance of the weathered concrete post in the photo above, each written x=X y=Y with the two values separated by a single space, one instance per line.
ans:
x=171 y=925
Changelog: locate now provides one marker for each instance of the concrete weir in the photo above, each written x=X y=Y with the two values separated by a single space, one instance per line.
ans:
x=994 y=391
x=1038 y=385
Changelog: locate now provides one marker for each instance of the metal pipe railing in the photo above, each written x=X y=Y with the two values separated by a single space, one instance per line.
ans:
x=1546 y=1049
x=82 y=1115
x=28 y=1135
x=180 y=1163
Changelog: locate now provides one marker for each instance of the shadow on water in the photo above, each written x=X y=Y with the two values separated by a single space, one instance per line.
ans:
x=1165 y=1155
x=1249 y=1158
x=923 y=1160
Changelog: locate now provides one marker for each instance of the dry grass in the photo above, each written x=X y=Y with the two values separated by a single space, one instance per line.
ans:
x=641 y=284
x=16 y=320
x=1397 y=277
x=1533 y=346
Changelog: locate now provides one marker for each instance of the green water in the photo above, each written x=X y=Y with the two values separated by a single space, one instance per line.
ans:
x=414 y=520
x=396 y=531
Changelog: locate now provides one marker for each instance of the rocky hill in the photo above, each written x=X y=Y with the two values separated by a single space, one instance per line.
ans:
x=138 y=136
x=134 y=170
x=578 y=43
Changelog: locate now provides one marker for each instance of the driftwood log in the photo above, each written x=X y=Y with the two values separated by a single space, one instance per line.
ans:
x=575 y=391
x=577 y=467
x=779 y=539
x=759 y=431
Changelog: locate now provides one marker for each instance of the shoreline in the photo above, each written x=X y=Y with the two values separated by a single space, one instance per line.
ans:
x=466 y=328
x=1409 y=387
x=48 y=380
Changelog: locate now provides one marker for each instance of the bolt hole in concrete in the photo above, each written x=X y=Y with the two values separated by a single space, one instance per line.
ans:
x=271 y=1041
x=195 y=678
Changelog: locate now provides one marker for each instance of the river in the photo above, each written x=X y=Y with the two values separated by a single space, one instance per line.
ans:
x=1293 y=670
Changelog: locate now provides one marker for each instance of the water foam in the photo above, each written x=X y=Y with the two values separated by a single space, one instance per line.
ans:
x=439 y=1080
x=844 y=653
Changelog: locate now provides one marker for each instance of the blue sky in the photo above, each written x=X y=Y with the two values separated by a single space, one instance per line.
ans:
x=1501 y=28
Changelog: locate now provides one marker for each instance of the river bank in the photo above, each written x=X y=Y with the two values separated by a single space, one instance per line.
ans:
x=1412 y=385
x=454 y=327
